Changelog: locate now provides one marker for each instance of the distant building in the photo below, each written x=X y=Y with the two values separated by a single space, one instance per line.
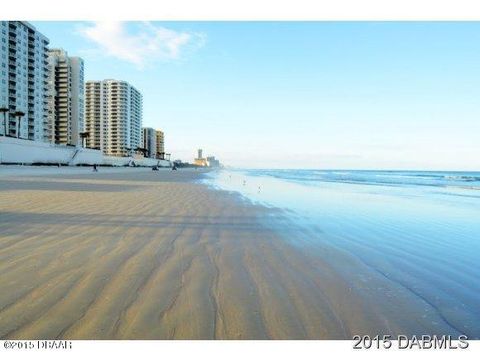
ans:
x=213 y=162
x=200 y=161
x=150 y=142
x=23 y=80
x=160 y=144
x=65 y=97
x=113 y=117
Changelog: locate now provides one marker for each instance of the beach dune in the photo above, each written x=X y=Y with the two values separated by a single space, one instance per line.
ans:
x=136 y=254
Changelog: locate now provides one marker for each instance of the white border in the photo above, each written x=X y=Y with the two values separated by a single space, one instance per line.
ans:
x=240 y=10
x=233 y=350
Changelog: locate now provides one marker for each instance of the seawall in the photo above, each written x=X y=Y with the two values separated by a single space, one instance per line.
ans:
x=22 y=151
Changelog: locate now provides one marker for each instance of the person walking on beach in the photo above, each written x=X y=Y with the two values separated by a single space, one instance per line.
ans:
x=95 y=168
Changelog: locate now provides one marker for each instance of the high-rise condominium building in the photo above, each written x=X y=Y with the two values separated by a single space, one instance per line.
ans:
x=150 y=142
x=23 y=80
x=113 y=117
x=65 y=97
x=160 y=144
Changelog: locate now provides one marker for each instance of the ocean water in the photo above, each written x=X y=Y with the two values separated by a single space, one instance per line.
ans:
x=419 y=229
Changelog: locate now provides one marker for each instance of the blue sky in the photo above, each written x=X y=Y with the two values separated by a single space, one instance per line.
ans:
x=357 y=95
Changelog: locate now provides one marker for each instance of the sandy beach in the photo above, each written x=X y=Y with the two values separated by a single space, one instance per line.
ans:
x=136 y=254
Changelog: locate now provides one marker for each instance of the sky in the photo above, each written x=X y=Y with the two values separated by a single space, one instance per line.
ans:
x=326 y=95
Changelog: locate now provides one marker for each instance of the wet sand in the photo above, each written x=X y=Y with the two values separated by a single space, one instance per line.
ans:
x=136 y=254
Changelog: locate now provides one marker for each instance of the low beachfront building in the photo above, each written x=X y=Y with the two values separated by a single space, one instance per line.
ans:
x=113 y=117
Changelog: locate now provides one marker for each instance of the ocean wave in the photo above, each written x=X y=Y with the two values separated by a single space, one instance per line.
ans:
x=389 y=178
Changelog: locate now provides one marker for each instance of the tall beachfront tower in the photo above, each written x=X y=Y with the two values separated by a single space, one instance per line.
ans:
x=23 y=80
x=150 y=142
x=65 y=97
x=113 y=117
x=200 y=161
x=160 y=144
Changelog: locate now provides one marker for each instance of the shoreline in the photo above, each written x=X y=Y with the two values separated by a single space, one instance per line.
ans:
x=15 y=170
x=137 y=254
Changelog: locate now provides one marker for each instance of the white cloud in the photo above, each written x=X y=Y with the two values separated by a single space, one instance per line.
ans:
x=140 y=43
